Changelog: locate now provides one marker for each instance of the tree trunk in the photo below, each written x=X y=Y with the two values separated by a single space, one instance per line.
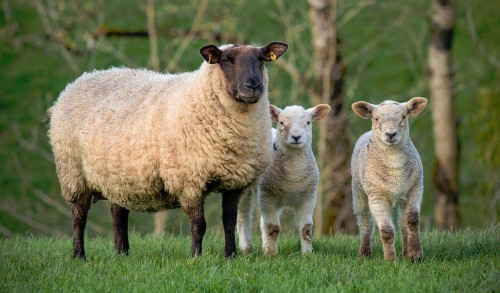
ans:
x=445 y=175
x=335 y=146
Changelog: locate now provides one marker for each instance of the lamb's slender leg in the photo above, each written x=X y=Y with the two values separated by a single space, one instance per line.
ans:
x=365 y=221
x=304 y=213
x=381 y=211
x=404 y=227
x=196 y=217
x=80 y=212
x=244 y=221
x=412 y=212
x=230 y=201
x=120 y=228
x=270 y=227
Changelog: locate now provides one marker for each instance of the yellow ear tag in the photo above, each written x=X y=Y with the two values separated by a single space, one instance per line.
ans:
x=273 y=56
x=210 y=58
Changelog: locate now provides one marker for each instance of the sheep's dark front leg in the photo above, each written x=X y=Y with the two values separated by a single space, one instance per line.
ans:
x=230 y=201
x=80 y=212
x=120 y=227
x=198 y=227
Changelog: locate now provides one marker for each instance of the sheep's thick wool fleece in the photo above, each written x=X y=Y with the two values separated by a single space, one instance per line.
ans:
x=148 y=141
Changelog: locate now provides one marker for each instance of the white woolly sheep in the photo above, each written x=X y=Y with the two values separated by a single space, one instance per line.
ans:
x=387 y=171
x=290 y=181
x=148 y=141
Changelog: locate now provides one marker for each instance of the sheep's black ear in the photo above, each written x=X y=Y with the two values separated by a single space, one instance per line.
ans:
x=274 y=50
x=211 y=54
x=275 y=112
x=363 y=109
x=416 y=105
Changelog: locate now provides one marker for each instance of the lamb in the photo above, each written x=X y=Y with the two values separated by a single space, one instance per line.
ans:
x=387 y=171
x=147 y=141
x=290 y=181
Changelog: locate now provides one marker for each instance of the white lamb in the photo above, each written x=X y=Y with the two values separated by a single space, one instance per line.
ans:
x=387 y=172
x=290 y=181
x=148 y=141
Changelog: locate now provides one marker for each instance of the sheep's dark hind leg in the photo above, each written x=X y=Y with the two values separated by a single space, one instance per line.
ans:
x=230 y=201
x=120 y=227
x=198 y=226
x=80 y=212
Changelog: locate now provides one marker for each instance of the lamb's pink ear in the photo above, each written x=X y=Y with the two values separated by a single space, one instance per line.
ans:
x=211 y=54
x=363 y=109
x=275 y=112
x=319 y=111
x=274 y=50
x=416 y=105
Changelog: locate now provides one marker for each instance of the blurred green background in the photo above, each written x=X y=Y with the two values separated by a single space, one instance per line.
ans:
x=47 y=44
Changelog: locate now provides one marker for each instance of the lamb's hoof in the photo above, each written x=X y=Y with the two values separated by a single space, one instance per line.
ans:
x=364 y=253
x=390 y=257
x=246 y=250
x=270 y=252
x=415 y=256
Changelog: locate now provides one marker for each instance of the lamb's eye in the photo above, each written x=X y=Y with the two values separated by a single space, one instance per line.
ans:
x=308 y=122
x=404 y=116
x=281 y=123
x=376 y=119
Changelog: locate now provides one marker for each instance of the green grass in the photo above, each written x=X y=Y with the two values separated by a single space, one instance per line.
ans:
x=467 y=261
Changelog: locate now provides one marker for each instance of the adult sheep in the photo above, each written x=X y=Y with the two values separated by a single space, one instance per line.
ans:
x=148 y=141
x=387 y=172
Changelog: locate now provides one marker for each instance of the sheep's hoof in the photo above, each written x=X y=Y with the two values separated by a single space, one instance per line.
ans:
x=79 y=255
x=231 y=255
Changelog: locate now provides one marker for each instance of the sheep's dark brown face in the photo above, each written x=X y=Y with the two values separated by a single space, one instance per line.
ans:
x=243 y=67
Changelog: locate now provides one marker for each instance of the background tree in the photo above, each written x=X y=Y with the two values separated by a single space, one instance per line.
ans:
x=334 y=208
x=445 y=174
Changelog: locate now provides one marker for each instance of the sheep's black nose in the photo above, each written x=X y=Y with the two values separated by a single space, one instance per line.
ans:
x=296 y=137
x=390 y=134
x=252 y=85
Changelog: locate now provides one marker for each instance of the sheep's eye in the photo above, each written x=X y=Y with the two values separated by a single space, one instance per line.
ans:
x=225 y=60
x=376 y=119
x=308 y=122
x=281 y=122
x=404 y=116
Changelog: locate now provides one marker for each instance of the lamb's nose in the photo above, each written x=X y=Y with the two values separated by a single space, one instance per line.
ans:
x=390 y=134
x=296 y=138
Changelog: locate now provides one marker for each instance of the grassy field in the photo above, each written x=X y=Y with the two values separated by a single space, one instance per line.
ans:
x=468 y=261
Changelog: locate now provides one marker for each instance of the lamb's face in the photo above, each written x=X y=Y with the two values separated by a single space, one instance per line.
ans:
x=294 y=124
x=390 y=122
x=243 y=67
x=390 y=119
x=294 y=127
